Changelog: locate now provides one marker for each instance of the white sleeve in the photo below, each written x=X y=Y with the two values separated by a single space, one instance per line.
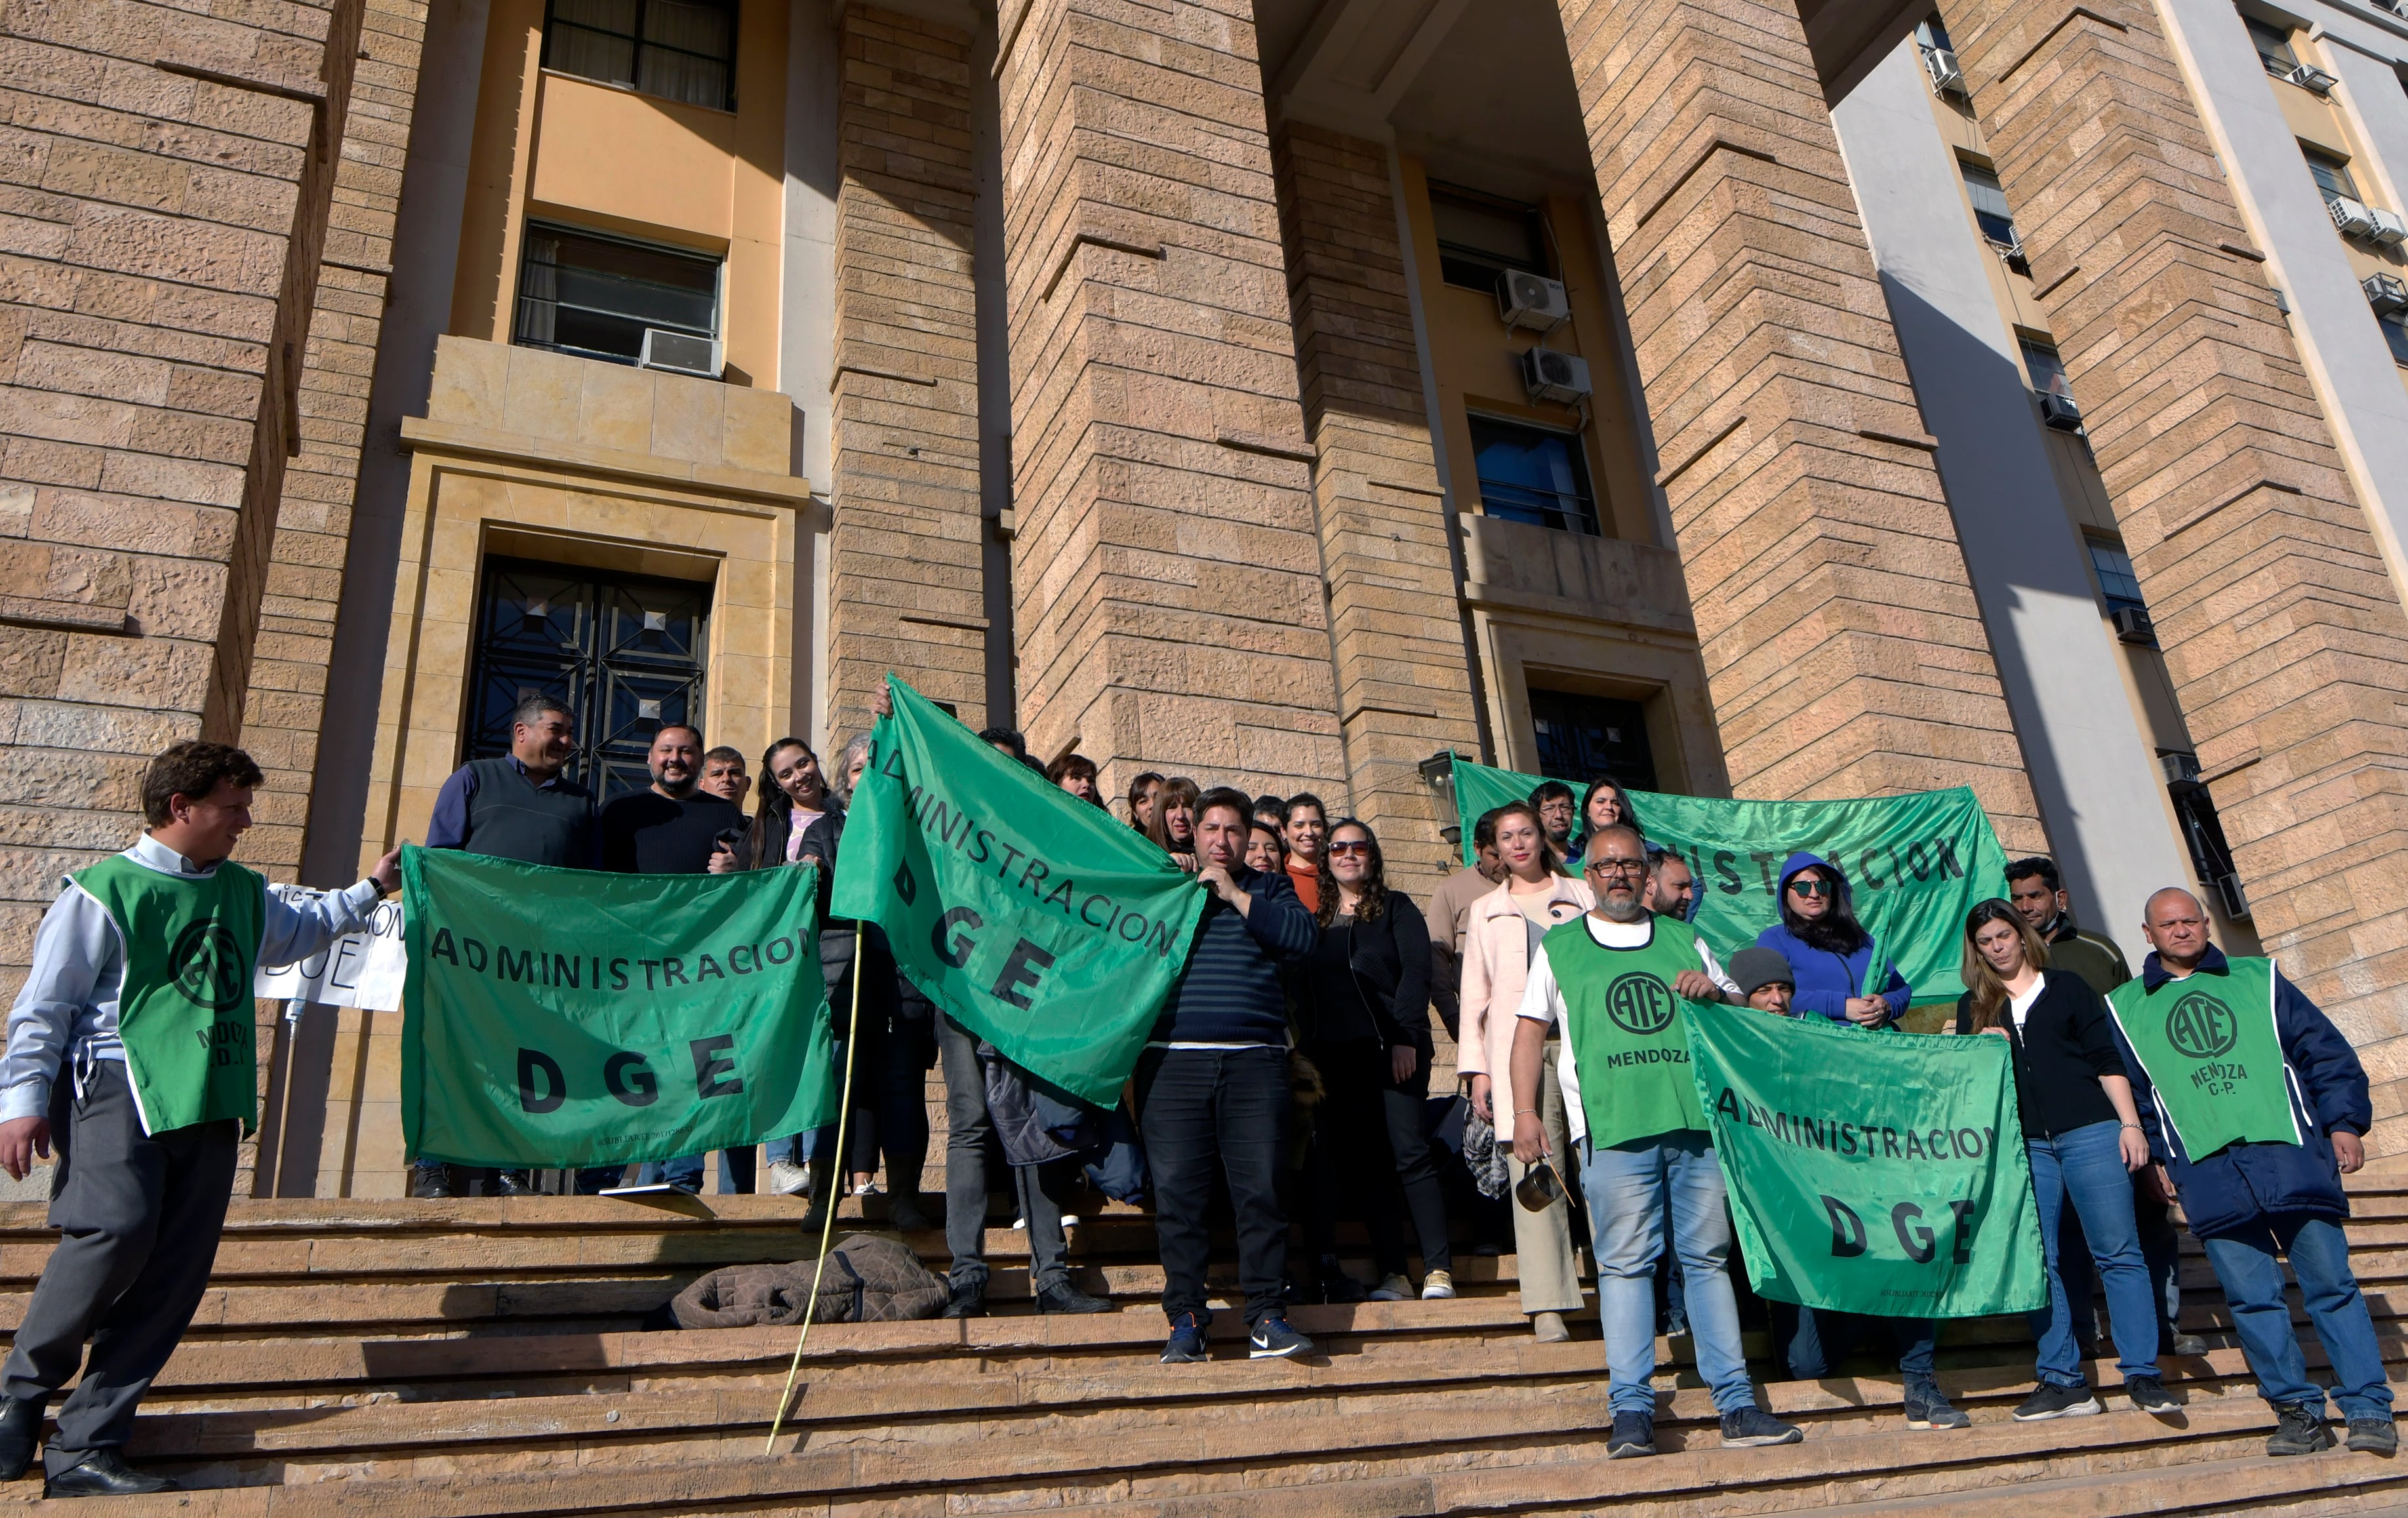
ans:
x=1543 y=1000
x=1715 y=971
x=75 y=953
x=291 y=929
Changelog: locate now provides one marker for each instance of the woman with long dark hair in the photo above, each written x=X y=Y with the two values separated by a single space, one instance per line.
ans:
x=1173 y=828
x=790 y=796
x=1366 y=994
x=1143 y=792
x=1602 y=805
x=1842 y=972
x=2085 y=1139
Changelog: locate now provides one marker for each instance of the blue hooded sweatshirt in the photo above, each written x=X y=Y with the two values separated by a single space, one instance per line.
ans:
x=1826 y=981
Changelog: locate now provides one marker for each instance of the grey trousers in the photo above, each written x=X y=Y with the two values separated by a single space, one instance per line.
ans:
x=967 y=1131
x=140 y=1218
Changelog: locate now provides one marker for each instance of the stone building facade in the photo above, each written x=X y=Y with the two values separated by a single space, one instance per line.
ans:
x=1758 y=397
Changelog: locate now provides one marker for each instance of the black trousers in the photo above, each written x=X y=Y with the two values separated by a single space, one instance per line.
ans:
x=1371 y=1157
x=140 y=1218
x=1197 y=1105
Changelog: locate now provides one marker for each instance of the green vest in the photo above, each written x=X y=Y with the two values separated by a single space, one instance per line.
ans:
x=1623 y=1025
x=2211 y=1050
x=184 y=1014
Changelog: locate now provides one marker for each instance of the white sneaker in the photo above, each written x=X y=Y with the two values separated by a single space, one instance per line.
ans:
x=1394 y=1289
x=1438 y=1287
x=1070 y=1220
x=787 y=1179
x=867 y=1188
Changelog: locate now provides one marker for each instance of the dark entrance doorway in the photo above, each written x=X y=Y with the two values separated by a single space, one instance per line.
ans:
x=1582 y=737
x=625 y=651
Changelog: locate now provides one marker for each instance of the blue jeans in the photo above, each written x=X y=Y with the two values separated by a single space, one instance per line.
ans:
x=734 y=1172
x=2085 y=1167
x=1812 y=1341
x=2253 y=1287
x=1631 y=1189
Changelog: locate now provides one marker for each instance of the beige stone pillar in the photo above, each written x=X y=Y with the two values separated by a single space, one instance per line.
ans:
x=1404 y=684
x=1842 y=645
x=905 y=591
x=2281 y=629
x=1166 y=572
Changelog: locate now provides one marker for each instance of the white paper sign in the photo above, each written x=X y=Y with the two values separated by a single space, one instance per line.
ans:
x=358 y=969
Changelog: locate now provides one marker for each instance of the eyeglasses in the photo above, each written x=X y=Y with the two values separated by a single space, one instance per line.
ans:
x=1352 y=846
x=1815 y=888
x=1618 y=867
x=1540 y=1187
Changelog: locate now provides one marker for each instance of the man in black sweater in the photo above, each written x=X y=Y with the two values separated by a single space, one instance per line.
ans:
x=1213 y=1081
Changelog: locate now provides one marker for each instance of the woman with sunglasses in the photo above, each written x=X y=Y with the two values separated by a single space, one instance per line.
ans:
x=1501 y=934
x=1366 y=1001
x=1843 y=973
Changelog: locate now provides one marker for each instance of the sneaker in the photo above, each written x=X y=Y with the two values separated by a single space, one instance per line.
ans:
x=1062 y=1296
x=433 y=1183
x=2148 y=1393
x=787 y=1179
x=2299 y=1429
x=1634 y=1434
x=2054 y=1401
x=1438 y=1287
x=1187 y=1343
x=1273 y=1340
x=1338 y=1288
x=1751 y=1426
x=1676 y=1325
x=1393 y=1289
x=1925 y=1407
x=965 y=1301
x=867 y=1188
x=2375 y=1435
x=1070 y=1220
x=1548 y=1328
x=2187 y=1344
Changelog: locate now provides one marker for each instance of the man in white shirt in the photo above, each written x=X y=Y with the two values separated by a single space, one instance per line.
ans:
x=1615 y=980
x=129 y=1047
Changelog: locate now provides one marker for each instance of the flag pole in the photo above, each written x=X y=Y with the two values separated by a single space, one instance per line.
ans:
x=827 y=1213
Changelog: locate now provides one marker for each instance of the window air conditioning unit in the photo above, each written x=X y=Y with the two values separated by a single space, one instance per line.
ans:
x=2390 y=230
x=2386 y=292
x=2058 y=411
x=1946 y=77
x=1531 y=300
x=2236 y=901
x=2350 y=216
x=680 y=352
x=2310 y=78
x=2180 y=768
x=2132 y=624
x=1550 y=375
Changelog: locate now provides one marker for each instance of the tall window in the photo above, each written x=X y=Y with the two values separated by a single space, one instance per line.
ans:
x=2273 y=46
x=2395 y=332
x=1933 y=33
x=1480 y=237
x=581 y=292
x=1532 y=474
x=1992 y=213
x=1587 y=738
x=2117 y=583
x=679 y=50
x=2330 y=174
x=2046 y=369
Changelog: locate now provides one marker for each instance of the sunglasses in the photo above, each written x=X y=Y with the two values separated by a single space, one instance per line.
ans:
x=1351 y=846
x=1815 y=888
x=1540 y=1187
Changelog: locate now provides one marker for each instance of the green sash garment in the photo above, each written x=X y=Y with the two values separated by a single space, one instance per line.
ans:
x=1628 y=1044
x=184 y=1014
x=2211 y=1049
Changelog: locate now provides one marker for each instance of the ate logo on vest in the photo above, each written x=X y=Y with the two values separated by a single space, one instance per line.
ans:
x=2202 y=1026
x=1639 y=1004
x=206 y=965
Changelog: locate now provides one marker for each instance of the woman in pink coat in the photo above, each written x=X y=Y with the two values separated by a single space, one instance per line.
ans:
x=1501 y=933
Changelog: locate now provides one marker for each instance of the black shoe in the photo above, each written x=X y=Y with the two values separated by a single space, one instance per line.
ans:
x=1634 y=1434
x=1746 y=1427
x=966 y=1302
x=1338 y=1288
x=514 y=1183
x=2299 y=1429
x=904 y=1215
x=1273 y=1340
x=433 y=1183
x=104 y=1473
x=2374 y=1435
x=2055 y=1401
x=1185 y=1345
x=21 y=1431
x=1062 y=1296
x=2148 y=1393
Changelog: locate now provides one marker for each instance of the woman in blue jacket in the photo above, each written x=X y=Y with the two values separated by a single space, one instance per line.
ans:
x=1842 y=972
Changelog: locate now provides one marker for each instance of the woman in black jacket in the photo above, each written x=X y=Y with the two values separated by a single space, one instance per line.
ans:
x=1366 y=994
x=2084 y=1140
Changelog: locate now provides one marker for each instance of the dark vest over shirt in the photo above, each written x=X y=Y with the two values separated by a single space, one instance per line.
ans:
x=512 y=817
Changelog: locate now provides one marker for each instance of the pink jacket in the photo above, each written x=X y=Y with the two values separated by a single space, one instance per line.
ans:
x=1496 y=966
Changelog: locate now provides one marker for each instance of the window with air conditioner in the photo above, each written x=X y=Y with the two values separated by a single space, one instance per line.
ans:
x=2331 y=174
x=2273 y=46
x=596 y=295
x=679 y=50
x=2046 y=371
x=1536 y=475
x=2118 y=585
x=1480 y=237
x=1992 y=213
x=1938 y=55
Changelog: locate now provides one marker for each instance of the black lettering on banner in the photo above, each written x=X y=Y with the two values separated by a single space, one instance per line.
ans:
x=1727 y=1107
x=1037 y=872
x=737 y=964
x=2202 y=1026
x=1916 y=1239
x=1947 y=863
x=1866 y=873
x=507 y=967
x=1915 y=1147
x=1764 y=863
x=1847 y=1138
x=534 y=1062
x=709 y=967
x=1916 y=864
x=709 y=1068
x=905 y=886
x=627 y=1077
x=475 y=952
x=1963 y=1254
x=649 y=965
x=1969 y=1145
x=958 y=954
x=567 y=971
x=1020 y=970
x=1939 y=1146
x=982 y=852
x=672 y=972
x=1060 y=896
x=1848 y=1229
x=1889 y=1143
x=1107 y=923
x=1010 y=856
x=783 y=941
x=1732 y=885
x=618 y=975
x=442 y=948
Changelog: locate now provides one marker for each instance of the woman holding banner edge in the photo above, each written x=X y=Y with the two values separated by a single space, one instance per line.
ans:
x=2085 y=1140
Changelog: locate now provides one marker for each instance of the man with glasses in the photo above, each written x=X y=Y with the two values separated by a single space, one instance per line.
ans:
x=1614 y=981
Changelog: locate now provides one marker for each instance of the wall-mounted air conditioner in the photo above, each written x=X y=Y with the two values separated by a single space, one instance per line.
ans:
x=2058 y=412
x=2310 y=78
x=680 y=352
x=2350 y=216
x=2386 y=292
x=1946 y=77
x=1550 y=375
x=2390 y=229
x=1531 y=300
x=2132 y=624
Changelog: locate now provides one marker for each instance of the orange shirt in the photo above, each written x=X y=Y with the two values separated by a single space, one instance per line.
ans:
x=1307 y=885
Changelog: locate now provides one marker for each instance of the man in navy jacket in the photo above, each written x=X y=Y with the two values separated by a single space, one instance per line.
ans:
x=2252 y=1202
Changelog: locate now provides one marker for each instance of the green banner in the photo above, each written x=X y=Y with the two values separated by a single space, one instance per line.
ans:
x=565 y=1017
x=1043 y=925
x=1916 y=864
x=1870 y=1172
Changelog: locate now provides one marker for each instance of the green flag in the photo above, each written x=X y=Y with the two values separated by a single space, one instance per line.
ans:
x=565 y=1017
x=1039 y=921
x=1916 y=864
x=1870 y=1172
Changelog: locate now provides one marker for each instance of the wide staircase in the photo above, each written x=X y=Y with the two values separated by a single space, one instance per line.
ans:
x=492 y=1356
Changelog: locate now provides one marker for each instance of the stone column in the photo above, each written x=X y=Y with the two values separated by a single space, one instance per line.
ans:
x=905 y=591
x=1167 y=574
x=1842 y=645
x=2281 y=632
x=1404 y=687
